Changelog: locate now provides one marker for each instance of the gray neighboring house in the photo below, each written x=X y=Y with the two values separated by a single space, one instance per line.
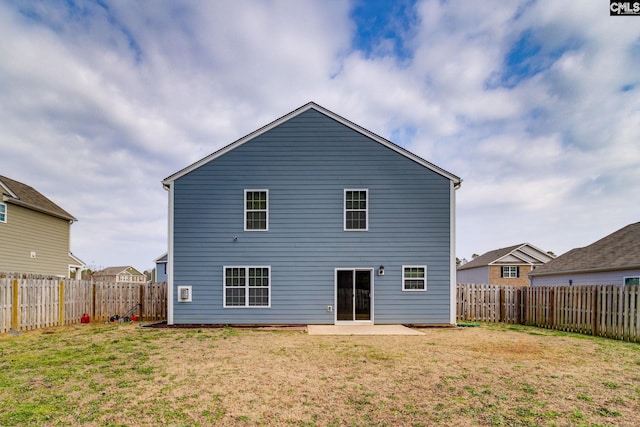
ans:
x=311 y=219
x=161 y=268
x=505 y=266
x=612 y=260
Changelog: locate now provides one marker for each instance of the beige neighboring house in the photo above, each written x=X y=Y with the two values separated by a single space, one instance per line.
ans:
x=35 y=233
x=124 y=274
x=506 y=266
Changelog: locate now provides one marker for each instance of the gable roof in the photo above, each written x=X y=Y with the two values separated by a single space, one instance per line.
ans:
x=20 y=194
x=523 y=253
x=619 y=250
x=114 y=271
x=311 y=105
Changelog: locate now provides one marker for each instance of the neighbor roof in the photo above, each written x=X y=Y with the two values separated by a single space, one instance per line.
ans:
x=523 y=253
x=114 y=271
x=311 y=105
x=617 y=251
x=20 y=194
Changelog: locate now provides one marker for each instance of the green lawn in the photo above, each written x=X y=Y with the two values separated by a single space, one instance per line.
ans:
x=496 y=375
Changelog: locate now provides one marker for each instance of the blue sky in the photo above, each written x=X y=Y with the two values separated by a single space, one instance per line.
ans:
x=535 y=104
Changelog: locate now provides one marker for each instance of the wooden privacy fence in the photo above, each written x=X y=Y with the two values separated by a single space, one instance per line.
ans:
x=31 y=302
x=605 y=310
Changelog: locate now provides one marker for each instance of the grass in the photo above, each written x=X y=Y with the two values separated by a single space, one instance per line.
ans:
x=492 y=375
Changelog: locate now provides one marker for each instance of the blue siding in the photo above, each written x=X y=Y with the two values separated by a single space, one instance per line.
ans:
x=306 y=163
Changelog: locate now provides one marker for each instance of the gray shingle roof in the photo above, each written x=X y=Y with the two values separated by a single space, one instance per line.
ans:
x=617 y=251
x=29 y=197
x=114 y=271
x=489 y=257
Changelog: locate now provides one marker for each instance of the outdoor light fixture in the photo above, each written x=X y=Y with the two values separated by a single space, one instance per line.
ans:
x=381 y=270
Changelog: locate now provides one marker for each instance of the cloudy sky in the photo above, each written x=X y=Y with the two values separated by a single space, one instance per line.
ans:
x=535 y=104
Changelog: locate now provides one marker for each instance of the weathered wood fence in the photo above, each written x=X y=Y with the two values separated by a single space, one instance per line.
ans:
x=606 y=310
x=32 y=302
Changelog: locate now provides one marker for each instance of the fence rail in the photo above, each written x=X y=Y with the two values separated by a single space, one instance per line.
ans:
x=606 y=310
x=31 y=302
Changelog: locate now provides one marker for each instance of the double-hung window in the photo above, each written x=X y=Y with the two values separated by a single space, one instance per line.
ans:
x=247 y=286
x=414 y=277
x=3 y=212
x=256 y=210
x=510 y=271
x=356 y=212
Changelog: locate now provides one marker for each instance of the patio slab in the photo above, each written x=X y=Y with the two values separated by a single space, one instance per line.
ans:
x=361 y=330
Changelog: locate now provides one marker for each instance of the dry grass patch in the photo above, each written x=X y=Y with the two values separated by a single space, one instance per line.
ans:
x=106 y=375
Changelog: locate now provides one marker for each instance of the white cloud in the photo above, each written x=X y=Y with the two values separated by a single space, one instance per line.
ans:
x=117 y=97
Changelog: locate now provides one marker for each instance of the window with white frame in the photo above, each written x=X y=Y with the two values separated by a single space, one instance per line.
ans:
x=3 y=212
x=510 y=271
x=256 y=210
x=414 y=277
x=247 y=286
x=356 y=212
x=630 y=281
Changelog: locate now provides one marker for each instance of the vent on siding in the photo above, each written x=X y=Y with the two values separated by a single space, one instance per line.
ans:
x=184 y=293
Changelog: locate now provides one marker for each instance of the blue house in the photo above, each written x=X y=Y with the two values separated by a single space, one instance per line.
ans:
x=311 y=219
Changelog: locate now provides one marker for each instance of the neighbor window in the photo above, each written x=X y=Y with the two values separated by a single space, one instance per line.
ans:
x=355 y=210
x=256 y=210
x=3 y=212
x=247 y=286
x=510 y=271
x=630 y=281
x=414 y=278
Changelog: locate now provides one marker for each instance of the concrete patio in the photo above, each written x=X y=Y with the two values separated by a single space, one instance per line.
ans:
x=364 y=329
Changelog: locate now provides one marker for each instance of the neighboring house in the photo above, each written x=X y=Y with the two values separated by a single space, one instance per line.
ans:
x=311 y=219
x=35 y=233
x=612 y=260
x=506 y=266
x=125 y=274
x=161 y=268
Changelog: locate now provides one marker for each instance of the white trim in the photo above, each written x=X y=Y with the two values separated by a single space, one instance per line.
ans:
x=344 y=209
x=452 y=263
x=4 y=221
x=248 y=190
x=371 y=298
x=170 y=258
x=311 y=105
x=413 y=278
x=246 y=286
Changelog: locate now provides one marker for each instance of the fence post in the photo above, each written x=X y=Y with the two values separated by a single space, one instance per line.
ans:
x=502 y=304
x=61 y=303
x=594 y=312
x=15 y=325
x=93 y=305
x=141 y=300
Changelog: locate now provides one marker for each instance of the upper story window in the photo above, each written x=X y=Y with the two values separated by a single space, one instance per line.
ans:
x=356 y=212
x=3 y=212
x=510 y=271
x=414 y=277
x=256 y=210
